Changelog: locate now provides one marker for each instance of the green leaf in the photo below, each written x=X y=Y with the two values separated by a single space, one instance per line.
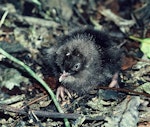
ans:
x=145 y=45
x=145 y=87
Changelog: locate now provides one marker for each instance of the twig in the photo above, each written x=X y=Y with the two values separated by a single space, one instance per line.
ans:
x=79 y=15
x=125 y=91
x=123 y=24
x=35 y=100
x=34 y=21
x=38 y=79
x=48 y=114
x=29 y=20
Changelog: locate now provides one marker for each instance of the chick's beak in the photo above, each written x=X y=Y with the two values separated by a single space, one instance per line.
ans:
x=63 y=76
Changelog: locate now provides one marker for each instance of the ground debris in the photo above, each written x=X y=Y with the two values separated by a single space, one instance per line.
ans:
x=28 y=26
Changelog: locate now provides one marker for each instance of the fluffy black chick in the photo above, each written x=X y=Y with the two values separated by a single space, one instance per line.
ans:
x=84 y=59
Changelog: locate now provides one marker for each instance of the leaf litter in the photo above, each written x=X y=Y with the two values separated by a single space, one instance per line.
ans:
x=29 y=30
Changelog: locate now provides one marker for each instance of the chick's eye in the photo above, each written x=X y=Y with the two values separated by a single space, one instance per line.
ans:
x=76 y=67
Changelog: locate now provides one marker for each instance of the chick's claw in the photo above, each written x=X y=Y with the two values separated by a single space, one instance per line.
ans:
x=60 y=93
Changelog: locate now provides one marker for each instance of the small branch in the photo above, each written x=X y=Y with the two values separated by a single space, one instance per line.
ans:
x=34 y=101
x=48 y=114
x=123 y=24
x=125 y=91
x=79 y=15
x=38 y=79
x=34 y=21
x=29 y=20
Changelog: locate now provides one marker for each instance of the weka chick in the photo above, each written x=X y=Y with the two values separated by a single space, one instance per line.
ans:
x=85 y=59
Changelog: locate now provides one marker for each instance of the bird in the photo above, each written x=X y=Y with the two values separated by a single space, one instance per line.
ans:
x=83 y=60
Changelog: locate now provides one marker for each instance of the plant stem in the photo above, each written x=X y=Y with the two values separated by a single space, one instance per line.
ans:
x=135 y=38
x=39 y=80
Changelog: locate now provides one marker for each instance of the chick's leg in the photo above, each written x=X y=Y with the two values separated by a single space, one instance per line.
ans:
x=114 y=81
x=60 y=93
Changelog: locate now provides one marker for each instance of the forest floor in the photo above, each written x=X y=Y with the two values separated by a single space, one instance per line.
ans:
x=27 y=26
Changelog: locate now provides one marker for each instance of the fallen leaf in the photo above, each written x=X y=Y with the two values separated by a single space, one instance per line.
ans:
x=145 y=45
x=11 y=77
